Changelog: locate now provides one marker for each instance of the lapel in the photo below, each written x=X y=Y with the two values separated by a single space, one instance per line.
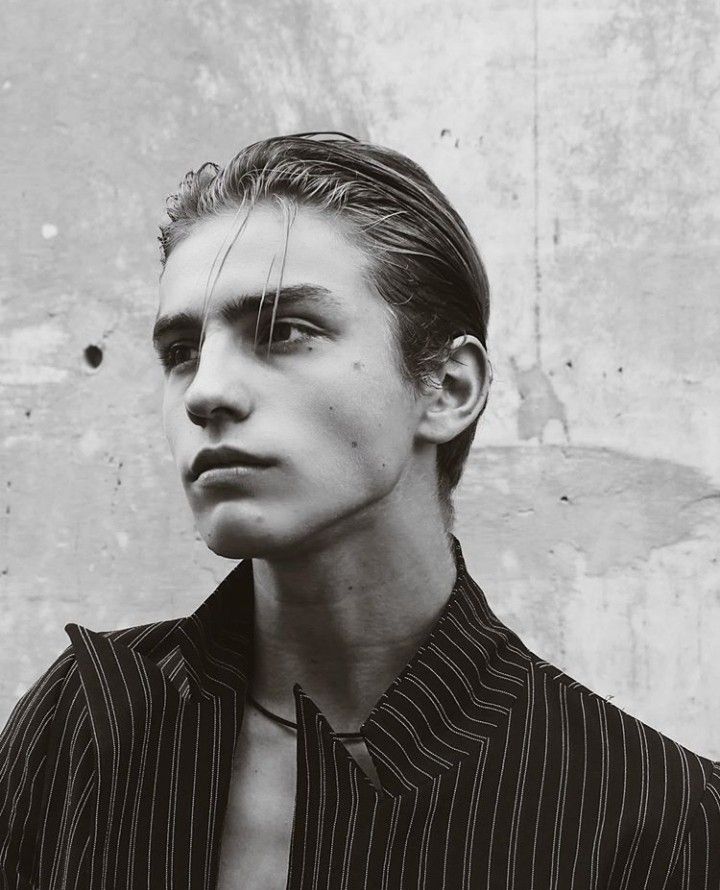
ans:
x=442 y=723
x=166 y=705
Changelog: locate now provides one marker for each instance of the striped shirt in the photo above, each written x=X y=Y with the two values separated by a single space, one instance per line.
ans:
x=497 y=770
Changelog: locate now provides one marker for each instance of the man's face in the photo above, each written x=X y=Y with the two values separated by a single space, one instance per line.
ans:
x=326 y=409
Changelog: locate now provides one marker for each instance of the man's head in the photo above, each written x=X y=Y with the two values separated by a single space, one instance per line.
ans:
x=361 y=227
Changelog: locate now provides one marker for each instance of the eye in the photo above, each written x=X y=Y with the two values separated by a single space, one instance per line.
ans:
x=283 y=338
x=177 y=354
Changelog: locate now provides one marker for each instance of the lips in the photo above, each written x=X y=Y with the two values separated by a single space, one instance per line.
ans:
x=224 y=456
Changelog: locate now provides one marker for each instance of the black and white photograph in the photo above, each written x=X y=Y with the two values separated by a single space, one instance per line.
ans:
x=360 y=445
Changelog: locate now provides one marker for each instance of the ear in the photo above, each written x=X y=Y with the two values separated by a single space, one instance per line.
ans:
x=461 y=394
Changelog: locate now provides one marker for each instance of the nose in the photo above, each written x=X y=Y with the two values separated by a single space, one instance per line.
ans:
x=218 y=389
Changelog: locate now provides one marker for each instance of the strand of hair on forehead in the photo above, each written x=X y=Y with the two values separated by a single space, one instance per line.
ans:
x=288 y=212
x=214 y=271
x=235 y=230
x=262 y=300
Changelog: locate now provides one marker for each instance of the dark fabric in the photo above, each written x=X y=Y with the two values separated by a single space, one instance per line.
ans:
x=497 y=769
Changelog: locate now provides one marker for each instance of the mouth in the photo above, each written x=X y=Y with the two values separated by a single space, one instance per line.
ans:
x=225 y=462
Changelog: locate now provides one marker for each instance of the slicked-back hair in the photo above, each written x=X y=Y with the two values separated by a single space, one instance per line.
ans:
x=423 y=261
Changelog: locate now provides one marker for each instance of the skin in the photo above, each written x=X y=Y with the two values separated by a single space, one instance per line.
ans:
x=351 y=560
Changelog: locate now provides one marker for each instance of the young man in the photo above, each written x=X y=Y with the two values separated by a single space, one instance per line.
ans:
x=345 y=710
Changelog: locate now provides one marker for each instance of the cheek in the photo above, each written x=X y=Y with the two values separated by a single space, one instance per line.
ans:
x=170 y=420
x=367 y=420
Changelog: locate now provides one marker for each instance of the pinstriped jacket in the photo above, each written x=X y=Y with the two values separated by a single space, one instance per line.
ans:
x=497 y=770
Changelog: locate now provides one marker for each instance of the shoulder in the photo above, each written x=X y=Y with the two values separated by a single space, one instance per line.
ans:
x=615 y=770
x=47 y=738
x=596 y=723
x=26 y=742
x=36 y=707
x=56 y=687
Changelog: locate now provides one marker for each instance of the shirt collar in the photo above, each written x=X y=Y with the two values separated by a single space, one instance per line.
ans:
x=453 y=694
x=446 y=703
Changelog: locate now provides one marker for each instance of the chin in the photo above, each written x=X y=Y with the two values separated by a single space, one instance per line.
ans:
x=235 y=532
x=236 y=540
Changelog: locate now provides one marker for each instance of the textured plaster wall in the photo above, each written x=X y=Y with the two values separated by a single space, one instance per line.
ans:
x=580 y=142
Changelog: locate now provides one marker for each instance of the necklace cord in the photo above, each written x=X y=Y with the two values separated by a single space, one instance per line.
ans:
x=283 y=722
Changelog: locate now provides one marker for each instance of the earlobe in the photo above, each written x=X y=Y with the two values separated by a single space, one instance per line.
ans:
x=462 y=392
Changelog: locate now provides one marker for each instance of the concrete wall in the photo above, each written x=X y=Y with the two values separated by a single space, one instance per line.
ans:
x=578 y=139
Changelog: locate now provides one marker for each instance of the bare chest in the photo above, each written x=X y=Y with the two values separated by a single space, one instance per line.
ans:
x=255 y=845
x=255 y=849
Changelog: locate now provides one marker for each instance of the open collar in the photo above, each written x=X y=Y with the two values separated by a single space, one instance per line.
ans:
x=166 y=704
x=455 y=691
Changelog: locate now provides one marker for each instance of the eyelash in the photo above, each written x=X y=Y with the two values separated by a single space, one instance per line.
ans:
x=168 y=353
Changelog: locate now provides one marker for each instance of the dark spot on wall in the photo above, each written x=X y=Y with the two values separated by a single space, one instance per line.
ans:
x=556 y=231
x=565 y=499
x=4 y=572
x=358 y=366
x=620 y=370
x=354 y=444
x=330 y=407
x=93 y=355
x=28 y=413
x=445 y=132
x=539 y=402
x=350 y=587
x=568 y=363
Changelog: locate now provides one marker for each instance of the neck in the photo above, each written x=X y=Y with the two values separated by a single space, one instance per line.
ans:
x=343 y=619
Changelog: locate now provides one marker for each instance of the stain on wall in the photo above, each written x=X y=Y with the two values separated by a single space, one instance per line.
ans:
x=579 y=141
x=540 y=408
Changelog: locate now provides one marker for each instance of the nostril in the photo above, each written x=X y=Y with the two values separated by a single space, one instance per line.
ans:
x=194 y=417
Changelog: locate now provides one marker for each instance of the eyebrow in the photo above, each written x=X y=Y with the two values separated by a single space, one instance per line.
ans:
x=242 y=305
